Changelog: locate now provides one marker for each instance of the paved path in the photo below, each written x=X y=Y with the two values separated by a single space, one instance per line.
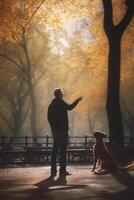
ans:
x=34 y=183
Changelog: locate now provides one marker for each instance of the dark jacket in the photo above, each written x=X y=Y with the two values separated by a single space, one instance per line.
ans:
x=57 y=114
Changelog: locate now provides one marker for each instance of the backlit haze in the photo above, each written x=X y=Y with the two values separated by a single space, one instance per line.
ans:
x=68 y=49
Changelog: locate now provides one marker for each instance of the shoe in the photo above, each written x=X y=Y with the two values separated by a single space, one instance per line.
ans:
x=65 y=173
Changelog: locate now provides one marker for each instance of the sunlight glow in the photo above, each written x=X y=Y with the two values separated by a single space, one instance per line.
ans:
x=78 y=30
x=64 y=42
x=59 y=187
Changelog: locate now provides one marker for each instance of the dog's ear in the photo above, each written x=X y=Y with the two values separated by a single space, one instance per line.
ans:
x=99 y=134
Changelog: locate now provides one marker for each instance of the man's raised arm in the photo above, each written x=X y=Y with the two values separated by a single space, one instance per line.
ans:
x=72 y=105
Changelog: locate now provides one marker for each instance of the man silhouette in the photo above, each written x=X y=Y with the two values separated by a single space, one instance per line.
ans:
x=58 y=120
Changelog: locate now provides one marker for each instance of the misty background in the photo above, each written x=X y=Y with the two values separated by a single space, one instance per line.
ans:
x=50 y=44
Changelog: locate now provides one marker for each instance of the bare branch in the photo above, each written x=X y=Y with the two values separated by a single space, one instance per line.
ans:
x=126 y=20
x=11 y=60
x=6 y=121
x=108 y=15
x=8 y=96
x=38 y=7
x=34 y=84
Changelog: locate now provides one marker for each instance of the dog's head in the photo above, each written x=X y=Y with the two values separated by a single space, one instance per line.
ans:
x=98 y=134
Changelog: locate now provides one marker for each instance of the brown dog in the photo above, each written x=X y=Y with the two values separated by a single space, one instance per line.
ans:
x=101 y=154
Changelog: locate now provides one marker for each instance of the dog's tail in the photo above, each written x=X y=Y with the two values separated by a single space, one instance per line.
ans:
x=129 y=167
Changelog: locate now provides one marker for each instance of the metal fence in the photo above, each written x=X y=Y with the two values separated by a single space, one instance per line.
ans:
x=47 y=141
x=30 y=150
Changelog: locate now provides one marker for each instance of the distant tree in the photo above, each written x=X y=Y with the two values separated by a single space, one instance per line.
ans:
x=23 y=62
x=27 y=70
x=128 y=118
x=15 y=100
x=114 y=34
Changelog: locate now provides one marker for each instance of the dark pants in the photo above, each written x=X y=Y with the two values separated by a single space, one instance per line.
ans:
x=59 y=143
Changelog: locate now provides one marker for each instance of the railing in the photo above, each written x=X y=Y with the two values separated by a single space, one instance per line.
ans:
x=47 y=141
x=28 y=150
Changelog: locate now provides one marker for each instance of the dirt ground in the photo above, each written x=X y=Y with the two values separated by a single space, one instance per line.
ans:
x=34 y=183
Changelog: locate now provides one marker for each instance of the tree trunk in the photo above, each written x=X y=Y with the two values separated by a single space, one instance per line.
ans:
x=31 y=88
x=17 y=125
x=113 y=90
x=33 y=111
x=114 y=34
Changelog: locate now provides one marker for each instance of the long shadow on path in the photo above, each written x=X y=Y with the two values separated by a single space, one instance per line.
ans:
x=46 y=187
x=128 y=181
x=123 y=178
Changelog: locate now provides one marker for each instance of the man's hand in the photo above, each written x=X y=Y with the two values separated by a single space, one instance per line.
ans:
x=80 y=98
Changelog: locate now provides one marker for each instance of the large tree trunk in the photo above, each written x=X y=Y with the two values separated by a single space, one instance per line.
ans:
x=114 y=34
x=113 y=91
